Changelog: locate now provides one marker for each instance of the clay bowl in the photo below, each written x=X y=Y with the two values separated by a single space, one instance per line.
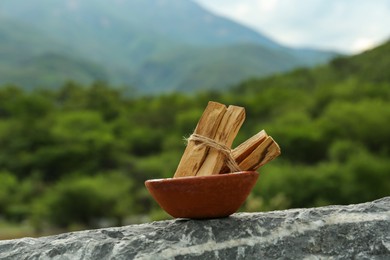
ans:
x=203 y=197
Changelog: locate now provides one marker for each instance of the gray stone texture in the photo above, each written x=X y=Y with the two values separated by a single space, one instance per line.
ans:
x=359 y=231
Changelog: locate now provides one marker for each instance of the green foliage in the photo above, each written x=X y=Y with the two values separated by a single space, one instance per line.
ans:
x=85 y=200
x=358 y=121
x=8 y=186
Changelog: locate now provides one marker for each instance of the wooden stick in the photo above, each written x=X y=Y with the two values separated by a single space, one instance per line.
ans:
x=264 y=153
x=246 y=148
x=227 y=131
x=206 y=150
x=195 y=153
x=242 y=151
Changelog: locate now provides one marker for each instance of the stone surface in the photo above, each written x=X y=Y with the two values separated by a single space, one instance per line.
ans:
x=359 y=231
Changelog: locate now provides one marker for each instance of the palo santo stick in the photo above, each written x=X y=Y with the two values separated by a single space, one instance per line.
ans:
x=242 y=151
x=246 y=148
x=227 y=131
x=265 y=152
x=195 y=152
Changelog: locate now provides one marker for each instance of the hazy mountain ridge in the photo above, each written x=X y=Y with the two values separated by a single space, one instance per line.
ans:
x=156 y=45
x=367 y=70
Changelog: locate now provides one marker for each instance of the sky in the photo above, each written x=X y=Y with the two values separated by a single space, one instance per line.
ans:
x=349 y=26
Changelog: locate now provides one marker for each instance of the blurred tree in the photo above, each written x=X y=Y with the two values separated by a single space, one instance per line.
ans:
x=86 y=201
x=8 y=187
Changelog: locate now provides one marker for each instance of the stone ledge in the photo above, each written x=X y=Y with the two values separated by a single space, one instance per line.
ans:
x=360 y=231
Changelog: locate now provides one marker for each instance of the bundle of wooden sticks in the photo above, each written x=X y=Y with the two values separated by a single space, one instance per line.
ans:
x=209 y=152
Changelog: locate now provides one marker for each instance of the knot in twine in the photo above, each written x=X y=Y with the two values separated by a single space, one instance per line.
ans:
x=226 y=151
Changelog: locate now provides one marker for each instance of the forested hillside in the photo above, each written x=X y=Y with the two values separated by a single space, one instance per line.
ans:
x=78 y=157
x=153 y=45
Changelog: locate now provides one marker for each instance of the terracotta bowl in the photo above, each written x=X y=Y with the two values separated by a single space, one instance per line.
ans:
x=203 y=197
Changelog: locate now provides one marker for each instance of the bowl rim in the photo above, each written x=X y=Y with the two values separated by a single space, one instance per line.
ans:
x=199 y=178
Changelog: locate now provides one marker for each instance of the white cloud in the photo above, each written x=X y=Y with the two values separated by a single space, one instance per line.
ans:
x=362 y=44
x=345 y=25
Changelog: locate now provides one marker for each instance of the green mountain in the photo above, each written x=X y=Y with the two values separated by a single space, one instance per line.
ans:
x=29 y=58
x=156 y=45
x=369 y=67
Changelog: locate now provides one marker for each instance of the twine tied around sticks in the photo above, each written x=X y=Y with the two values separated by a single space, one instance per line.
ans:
x=226 y=151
